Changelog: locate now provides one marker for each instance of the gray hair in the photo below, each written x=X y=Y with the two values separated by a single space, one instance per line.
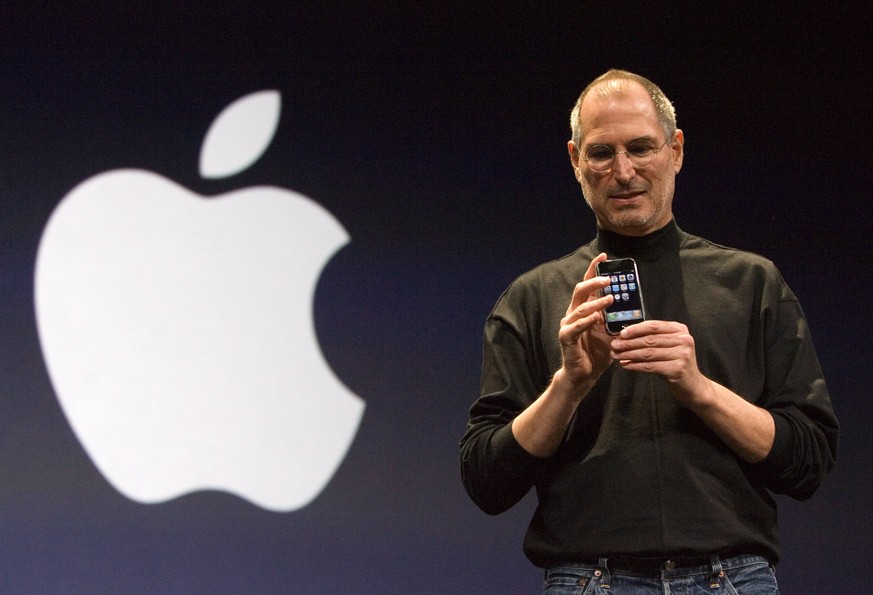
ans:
x=617 y=85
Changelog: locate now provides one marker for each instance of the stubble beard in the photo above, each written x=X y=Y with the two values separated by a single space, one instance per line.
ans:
x=629 y=219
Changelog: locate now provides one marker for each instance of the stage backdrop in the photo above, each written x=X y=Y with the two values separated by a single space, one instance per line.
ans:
x=246 y=253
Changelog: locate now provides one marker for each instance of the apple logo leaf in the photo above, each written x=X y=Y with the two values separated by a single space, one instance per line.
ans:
x=240 y=134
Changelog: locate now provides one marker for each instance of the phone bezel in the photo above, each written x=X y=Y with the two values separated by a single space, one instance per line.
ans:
x=616 y=265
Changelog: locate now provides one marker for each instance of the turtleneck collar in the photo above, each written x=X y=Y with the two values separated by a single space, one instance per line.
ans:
x=651 y=246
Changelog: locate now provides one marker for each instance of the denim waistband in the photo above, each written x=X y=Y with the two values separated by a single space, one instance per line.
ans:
x=665 y=566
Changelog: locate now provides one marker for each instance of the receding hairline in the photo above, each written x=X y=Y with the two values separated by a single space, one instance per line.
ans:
x=611 y=88
x=618 y=83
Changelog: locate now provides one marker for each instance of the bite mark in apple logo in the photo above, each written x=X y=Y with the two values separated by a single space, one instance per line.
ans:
x=178 y=329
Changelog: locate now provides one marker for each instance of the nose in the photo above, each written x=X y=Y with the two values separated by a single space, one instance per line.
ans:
x=623 y=168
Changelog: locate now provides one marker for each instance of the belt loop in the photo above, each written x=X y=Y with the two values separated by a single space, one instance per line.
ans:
x=716 y=573
x=605 y=579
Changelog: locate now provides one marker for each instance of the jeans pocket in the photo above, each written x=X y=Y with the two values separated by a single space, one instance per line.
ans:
x=752 y=579
x=565 y=581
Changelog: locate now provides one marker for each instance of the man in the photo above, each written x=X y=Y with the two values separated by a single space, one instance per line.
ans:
x=652 y=452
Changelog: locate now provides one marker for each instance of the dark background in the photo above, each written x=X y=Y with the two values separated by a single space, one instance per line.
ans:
x=436 y=135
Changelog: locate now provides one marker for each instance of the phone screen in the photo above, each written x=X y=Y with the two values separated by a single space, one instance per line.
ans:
x=627 y=307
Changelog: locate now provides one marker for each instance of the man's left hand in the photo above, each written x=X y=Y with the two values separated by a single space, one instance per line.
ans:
x=667 y=349
x=662 y=348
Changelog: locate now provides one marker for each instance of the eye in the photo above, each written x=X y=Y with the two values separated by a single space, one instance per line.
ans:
x=600 y=153
x=641 y=149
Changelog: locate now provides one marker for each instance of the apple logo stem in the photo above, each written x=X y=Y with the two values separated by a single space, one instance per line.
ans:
x=178 y=331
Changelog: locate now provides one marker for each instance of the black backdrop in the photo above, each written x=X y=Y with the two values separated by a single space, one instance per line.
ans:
x=436 y=135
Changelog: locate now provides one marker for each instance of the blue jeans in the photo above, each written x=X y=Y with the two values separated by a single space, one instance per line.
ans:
x=743 y=575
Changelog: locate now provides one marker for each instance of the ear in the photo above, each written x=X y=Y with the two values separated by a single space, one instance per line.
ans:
x=678 y=148
x=574 y=160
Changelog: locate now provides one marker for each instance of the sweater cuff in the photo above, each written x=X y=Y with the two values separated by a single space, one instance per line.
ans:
x=511 y=455
x=780 y=456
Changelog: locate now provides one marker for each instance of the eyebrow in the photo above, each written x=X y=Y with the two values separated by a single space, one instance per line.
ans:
x=648 y=138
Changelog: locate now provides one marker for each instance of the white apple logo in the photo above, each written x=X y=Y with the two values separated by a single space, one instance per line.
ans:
x=178 y=330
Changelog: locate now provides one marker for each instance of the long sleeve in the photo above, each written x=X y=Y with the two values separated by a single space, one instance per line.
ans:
x=497 y=472
x=805 y=447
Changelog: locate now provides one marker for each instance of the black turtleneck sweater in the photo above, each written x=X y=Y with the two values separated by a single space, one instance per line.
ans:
x=637 y=474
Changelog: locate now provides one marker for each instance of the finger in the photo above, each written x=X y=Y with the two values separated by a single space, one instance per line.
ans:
x=668 y=345
x=582 y=291
x=570 y=334
x=669 y=368
x=587 y=308
x=652 y=327
x=586 y=291
x=592 y=266
x=587 y=317
x=646 y=354
x=656 y=350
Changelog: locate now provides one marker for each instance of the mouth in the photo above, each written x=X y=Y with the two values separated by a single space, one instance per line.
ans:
x=627 y=195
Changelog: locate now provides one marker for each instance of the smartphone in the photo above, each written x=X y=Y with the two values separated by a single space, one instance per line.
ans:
x=627 y=306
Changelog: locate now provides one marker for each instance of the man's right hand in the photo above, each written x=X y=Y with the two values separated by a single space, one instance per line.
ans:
x=585 y=356
x=583 y=338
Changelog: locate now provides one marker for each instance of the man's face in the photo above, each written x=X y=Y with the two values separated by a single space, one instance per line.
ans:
x=629 y=200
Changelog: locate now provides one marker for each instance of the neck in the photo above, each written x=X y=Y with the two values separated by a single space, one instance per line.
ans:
x=651 y=245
